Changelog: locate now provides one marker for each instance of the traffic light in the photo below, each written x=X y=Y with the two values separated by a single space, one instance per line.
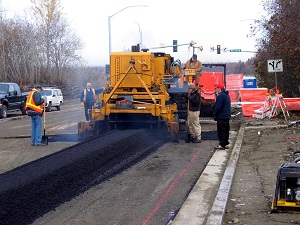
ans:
x=174 y=45
x=218 y=49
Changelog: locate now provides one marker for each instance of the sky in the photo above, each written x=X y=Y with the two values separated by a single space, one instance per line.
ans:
x=157 y=23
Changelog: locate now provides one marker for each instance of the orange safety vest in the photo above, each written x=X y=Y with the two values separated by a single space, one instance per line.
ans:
x=31 y=104
x=84 y=94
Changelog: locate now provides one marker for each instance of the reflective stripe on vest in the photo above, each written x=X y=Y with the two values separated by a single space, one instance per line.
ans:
x=31 y=104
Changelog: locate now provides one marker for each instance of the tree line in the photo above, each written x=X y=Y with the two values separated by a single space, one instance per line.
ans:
x=278 y=37
x=38 y=49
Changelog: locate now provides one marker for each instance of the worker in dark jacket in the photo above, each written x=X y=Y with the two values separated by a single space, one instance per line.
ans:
x=88 y=98
x=222 y=114
x=34 y=108
x=193 y=114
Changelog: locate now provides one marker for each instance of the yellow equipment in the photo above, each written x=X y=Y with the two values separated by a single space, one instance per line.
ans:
x=287 y=192
x=190 y=74
x=136 y=95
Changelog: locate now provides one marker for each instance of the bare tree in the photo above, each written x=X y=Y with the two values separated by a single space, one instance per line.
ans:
x=58 y=43
x=39 y=50
x=280 y=39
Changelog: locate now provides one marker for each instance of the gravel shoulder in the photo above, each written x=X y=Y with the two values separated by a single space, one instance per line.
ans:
x=266 y=145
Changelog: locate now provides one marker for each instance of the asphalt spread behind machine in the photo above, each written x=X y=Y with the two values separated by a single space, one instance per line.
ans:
x=144 y=89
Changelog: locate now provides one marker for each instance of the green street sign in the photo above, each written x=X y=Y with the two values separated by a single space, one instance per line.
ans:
x=235 y=50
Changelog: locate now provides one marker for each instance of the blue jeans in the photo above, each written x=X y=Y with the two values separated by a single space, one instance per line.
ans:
x=36 y=130
x=88 y=106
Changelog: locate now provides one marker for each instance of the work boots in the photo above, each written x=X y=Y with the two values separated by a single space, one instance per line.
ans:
x=189 y=138
x=196 y=140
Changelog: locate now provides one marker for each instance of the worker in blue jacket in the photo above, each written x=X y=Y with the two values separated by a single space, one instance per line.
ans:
x=222 y=114
x=88 y=98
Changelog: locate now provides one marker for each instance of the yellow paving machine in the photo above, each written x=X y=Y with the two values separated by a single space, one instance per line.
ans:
x=141 y=90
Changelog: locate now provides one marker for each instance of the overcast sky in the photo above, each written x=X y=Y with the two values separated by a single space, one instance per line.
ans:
x=208 y=23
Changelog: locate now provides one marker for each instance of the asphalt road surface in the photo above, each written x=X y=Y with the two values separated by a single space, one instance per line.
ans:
x=61 y=129
x=150 y=191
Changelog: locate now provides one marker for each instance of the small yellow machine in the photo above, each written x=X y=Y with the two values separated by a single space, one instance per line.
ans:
x=190 y=73
x=136 y=95
x=287 y=192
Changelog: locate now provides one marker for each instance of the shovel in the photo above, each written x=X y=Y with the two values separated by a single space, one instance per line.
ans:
x=44 y=138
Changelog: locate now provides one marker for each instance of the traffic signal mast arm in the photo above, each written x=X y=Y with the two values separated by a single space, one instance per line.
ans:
x=191 y=44
x=168 y=46
x=240 y=50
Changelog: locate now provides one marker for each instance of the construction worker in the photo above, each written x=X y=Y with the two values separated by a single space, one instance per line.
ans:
x=87 y=99
x=222 y=114
x=193 y=63
x=34 y=108
x=193 y=114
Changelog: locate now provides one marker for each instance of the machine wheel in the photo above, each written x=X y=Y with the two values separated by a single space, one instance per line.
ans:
x=23 y=110
x=58 y=107
x=3 y=112
x=99 y=128
x=274 y=211
x=163 y=130
x=48 y=109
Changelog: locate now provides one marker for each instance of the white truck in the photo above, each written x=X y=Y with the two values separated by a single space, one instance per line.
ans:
x=54 y=98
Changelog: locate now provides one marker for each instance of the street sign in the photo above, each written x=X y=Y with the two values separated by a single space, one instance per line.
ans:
x=275 y=65
x=235 y=50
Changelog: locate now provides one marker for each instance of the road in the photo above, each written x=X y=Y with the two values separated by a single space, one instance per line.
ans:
x=149 y=192
x=61 y=128
x=154 y=189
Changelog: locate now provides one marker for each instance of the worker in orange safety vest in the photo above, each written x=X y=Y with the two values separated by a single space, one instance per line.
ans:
x=34 y=108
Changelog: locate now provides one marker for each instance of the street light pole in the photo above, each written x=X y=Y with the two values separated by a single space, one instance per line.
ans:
x=141 y=35
x=109 y=25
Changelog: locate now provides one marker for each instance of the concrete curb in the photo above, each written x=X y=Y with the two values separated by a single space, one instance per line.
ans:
x=197 y=209
x=217 y=211
x=198 y=205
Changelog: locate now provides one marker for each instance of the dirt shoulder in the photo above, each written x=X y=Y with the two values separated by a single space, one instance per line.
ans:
x=266 y=145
